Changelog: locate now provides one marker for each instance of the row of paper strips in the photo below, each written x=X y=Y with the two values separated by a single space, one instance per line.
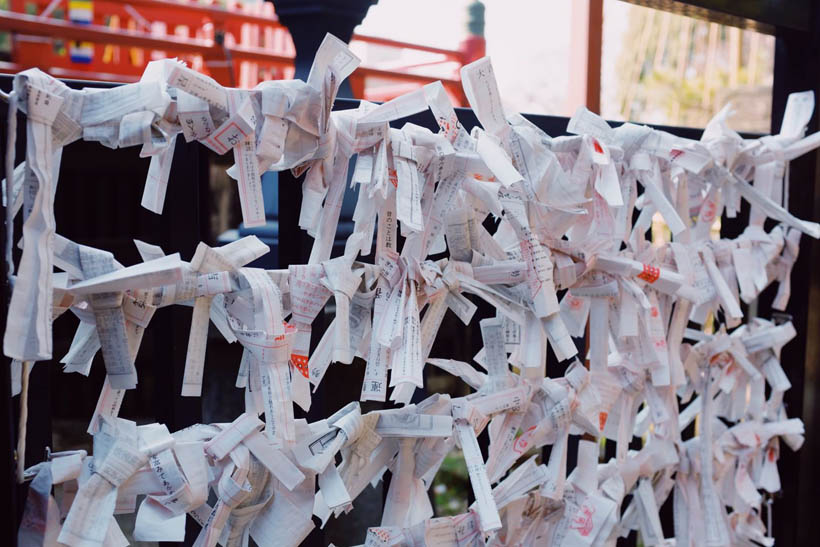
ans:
x=564 y=207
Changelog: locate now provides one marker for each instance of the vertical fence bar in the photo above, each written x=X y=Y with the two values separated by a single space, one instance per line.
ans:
x=797 y=56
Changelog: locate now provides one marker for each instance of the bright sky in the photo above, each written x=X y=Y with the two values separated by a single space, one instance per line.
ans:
x=528 y=41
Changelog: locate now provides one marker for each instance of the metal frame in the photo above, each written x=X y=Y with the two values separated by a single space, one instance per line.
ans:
x=182 y=226
x=99 y=209
x=95 y=213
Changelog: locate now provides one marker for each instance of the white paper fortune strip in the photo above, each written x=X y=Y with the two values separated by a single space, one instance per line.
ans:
x=566 y=252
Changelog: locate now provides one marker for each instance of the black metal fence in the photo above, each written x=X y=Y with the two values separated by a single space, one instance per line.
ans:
x=97 y=204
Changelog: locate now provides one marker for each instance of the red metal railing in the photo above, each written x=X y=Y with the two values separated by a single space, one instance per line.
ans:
x=128 y=34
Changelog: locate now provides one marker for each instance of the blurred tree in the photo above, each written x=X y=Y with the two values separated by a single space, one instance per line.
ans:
x=681 y=71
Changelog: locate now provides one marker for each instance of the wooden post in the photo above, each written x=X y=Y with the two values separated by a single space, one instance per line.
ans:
x=585 y=55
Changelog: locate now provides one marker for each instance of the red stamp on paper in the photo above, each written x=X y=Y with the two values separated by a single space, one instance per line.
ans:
x=583 y=520
x=522 y=440
x=479 y=176
x=301 y=363
x=650 y=274
x=708 y=212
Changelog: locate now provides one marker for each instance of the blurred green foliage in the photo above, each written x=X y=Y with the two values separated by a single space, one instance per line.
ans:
x=451 y=485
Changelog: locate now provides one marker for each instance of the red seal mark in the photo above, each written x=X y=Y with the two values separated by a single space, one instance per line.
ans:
x=301 y=364
x=381 y=534
x=522 y=440
x=394 y=177
x=708 y=212
x=720 y=359
x=479 y=176
x=597 y=146
x=675 y=154
x=583 y=520
x=650 y=274
x=602 y=416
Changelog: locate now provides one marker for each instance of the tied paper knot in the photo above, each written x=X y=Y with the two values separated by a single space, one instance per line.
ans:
x=40 y=524
x=577 y=376
x=232 y=493
x=232 y=489
x=783 y=268
x=110 y=320
x=351 y=425
x=359 y=450
x=340 y=279
x=451 y=273
x=123 y=460
x=393 y=268
x=179 y=468
x=90 y=519
x=317 y=451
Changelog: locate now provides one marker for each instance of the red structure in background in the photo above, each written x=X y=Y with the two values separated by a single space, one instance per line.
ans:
x=239 y=45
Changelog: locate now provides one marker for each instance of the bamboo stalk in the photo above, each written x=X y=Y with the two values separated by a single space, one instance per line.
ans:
x=711 y=61
x=735 y=39
x=635 y=69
